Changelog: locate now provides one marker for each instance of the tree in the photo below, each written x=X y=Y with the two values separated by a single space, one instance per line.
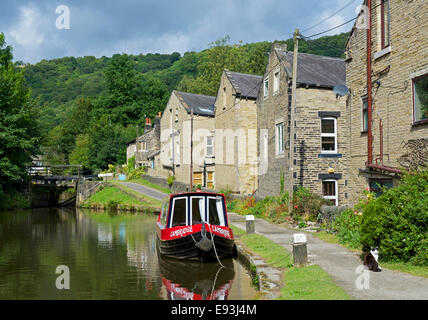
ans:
x=19 y=129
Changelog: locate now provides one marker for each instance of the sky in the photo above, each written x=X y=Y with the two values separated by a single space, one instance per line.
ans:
x=40 y=29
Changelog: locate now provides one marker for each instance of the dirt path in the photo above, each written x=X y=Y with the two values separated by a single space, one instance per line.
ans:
x=342 y=265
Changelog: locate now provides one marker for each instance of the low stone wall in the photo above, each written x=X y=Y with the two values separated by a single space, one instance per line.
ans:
x=85 y=189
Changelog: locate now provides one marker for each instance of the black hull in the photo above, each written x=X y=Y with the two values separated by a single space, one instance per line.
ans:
x=185 y=248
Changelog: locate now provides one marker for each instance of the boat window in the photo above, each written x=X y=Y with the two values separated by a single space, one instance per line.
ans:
x=164 y=212
x=215 y=211
x=179 y=212
x=198 y=209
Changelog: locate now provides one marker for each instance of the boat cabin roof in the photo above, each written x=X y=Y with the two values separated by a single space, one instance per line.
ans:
x=185 y=209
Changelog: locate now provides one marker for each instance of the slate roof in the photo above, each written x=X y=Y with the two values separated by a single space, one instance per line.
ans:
x=246 y=85
x=200 y=104
x=314 y=70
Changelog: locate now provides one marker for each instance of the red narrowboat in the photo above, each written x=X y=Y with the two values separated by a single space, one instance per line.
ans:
x=195 y=226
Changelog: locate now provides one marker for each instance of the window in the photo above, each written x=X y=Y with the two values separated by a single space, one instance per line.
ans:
x=179 y=212
x=376 y=185
x=420 y=98
x=266 y=88
x=328 y=135
x=384 y=23
x=198 y=178
x=215 y=211
x=280 y=138
x=164 y=213
x=198 y=209
x=329 y=191
x=210 y=147
x=224 y=98
x=176 y=114
x=144 y=146
x=210 y=180
x=276 y=81
x=365 y=115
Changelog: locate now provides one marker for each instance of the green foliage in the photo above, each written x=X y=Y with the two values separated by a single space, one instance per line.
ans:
x=19 y=127
x=170 y=180
x=397 y=221
x=306 y=203
x=347 y=225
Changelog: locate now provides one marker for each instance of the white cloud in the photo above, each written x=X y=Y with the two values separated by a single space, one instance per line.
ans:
x=26 y=32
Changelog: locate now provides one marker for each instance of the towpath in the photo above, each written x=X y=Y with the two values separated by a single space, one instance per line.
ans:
x=150 y=192
x=344 y=266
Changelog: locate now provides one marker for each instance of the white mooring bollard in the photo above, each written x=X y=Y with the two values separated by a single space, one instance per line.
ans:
x=250 y=225
x=300 y=253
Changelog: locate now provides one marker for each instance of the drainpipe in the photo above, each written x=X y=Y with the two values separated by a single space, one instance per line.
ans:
x=369 y=85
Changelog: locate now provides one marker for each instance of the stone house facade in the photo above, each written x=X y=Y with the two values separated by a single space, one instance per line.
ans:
x=321 y=132
x=399 y=95
x=175 y=126
x=236 y=132
x=146 y=145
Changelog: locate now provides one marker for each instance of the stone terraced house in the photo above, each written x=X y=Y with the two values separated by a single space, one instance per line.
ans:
x=147 y=145
x=321 y=131
x=236 y=132
x=175 y=139
x=399 y=93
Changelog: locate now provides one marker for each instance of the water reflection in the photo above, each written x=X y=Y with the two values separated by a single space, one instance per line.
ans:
x=109 y=257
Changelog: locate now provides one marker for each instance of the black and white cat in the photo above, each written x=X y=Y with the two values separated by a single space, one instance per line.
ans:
x=370 y=260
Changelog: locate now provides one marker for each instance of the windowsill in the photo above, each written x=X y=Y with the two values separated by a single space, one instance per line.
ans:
x=329 y=155
x=275 y=93
x=279 y=155
x=382 y=52
x=420 y=122
x=364 y=132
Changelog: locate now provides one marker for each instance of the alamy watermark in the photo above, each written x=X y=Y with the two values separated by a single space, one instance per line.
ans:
x=63 y=20
x=62 y=282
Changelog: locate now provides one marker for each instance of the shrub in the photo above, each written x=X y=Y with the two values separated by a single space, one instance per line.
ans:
x=170 y=180
x=397 y=221
x=306 y=203
x=347 y=225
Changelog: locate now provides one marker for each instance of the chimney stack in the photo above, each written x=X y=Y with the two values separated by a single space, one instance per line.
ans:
x=148 y=125
x=280 y=46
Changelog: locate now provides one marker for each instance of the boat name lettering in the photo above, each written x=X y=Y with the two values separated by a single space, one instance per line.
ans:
x=223 y=232
x=181 y=232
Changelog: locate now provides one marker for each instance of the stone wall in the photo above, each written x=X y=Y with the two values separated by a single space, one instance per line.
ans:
x=235 y=141
x=394 y=67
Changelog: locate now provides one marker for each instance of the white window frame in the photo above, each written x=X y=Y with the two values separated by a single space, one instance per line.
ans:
x=204 y=214
x=172 y=211
x=336 y=197
x=329 y=135
x=222 y=220
x=143 y=146
x=276 y=78
x=266 y=87
x=209 y=155
x=279 y=140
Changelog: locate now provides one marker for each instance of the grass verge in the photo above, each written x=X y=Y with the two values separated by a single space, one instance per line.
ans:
x=112 y=197
x=304 y=283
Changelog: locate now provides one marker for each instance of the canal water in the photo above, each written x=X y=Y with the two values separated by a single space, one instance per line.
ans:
x=105 y=257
